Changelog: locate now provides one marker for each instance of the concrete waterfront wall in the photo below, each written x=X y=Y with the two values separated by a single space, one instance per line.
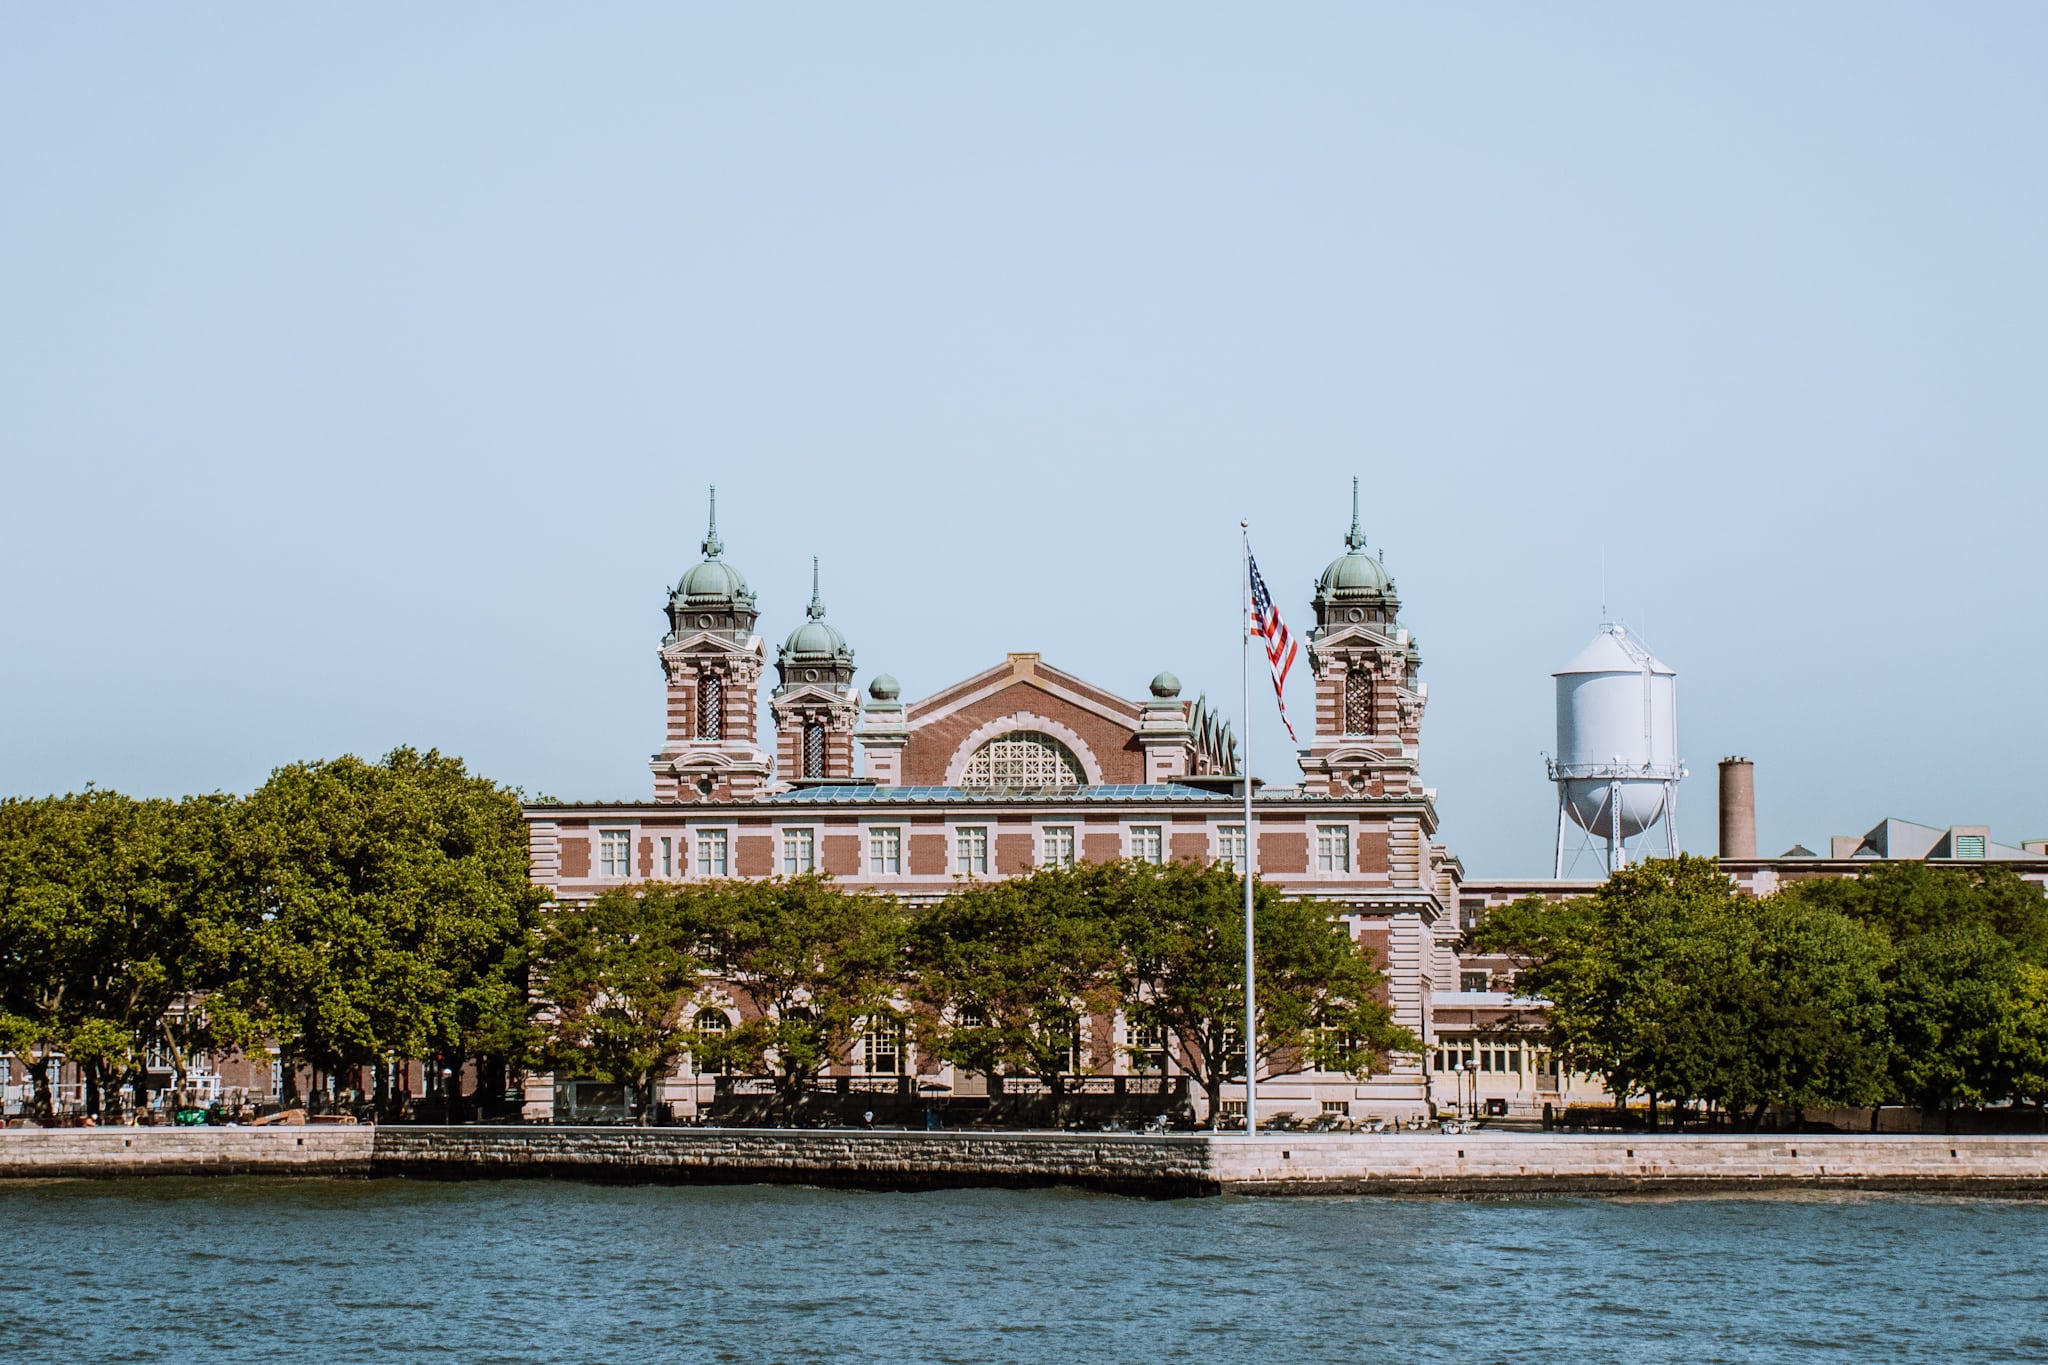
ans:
x=1620 y=1163
x=94 y=1153
x=1474 y=1164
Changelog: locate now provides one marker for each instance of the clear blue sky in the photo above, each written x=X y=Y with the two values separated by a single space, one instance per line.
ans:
x=361 y=371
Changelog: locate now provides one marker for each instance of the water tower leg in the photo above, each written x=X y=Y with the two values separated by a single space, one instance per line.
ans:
x=1671 y=819
x=1617 y=852
x=1557 y=868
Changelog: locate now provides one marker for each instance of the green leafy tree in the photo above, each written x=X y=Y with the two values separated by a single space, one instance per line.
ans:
x=815 y=962
x=103 y=903
x=390 y=916
x=1319 y=994
x=1004 y=970
x=2023 y=1035
x=1668 y=983
x=619 y=974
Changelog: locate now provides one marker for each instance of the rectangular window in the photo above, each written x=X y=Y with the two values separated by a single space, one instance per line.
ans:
x=1230 y=845
x=970 y=843
x=668 y=858
x=1148 y=844
x=1471 y=910
x=1333 y=848
x=799 y=852
x=1341 y=1108
x=1473 y=981
x=614 y=852
x=882 y=1047
x=1147 y=1048
x=885 y=852
x=711 y=850
x=1057 y=846
x=1968 y=846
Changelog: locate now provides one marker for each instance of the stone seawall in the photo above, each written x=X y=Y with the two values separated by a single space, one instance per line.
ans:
x=1475 y=1164
x=1123 y=1163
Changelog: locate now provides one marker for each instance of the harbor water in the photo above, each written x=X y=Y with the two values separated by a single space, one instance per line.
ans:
x=518 y=1272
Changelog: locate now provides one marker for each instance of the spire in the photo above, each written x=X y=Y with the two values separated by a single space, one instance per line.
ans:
x=713 y=546
x=817 y=608
x=1356 y=540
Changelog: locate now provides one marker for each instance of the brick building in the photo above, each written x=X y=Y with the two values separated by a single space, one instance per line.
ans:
x=1023 y=765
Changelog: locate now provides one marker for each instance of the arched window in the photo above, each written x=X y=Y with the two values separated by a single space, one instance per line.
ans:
x=1022 y=758
x=1358 y=702
x=710 y=706
x=814 y=748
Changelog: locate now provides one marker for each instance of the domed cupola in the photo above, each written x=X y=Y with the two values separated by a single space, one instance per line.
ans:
x=815 y=651
x=712 y=595
x=1355 y=589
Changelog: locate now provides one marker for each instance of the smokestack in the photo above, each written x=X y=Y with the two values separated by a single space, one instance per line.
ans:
x=1738 y=808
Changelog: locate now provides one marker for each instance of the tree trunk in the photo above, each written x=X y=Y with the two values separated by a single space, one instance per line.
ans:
x=42 y=1107
x=1212 y=1085
x=91 y=1072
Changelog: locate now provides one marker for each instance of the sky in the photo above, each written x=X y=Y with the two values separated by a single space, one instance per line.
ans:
x=363 y=369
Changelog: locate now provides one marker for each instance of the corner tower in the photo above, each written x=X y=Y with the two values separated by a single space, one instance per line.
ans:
x=815 y=706
x=1369 y=705
x=712 y=662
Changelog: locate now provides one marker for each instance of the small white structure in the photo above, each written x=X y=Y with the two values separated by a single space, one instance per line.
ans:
x=1617 y=767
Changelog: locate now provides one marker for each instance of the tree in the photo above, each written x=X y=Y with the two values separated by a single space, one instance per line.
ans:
x=1004 y=970
x=389 y=916
x=1670 y=984
x=103 y=905
x=619 y=973
x=1318 y=992
x=815 y=963
x=2023 y=1035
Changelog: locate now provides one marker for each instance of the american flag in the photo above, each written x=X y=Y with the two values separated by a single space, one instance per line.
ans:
x=1280 y=646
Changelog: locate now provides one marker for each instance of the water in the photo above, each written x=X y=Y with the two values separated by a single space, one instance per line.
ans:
x=539 y=1272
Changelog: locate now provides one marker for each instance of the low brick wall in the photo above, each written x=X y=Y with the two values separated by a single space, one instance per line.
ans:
x=96 y=1153
x=1169 y=1166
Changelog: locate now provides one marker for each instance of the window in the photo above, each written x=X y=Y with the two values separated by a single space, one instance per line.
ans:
x=710 y=1028
x=1148 y=844
x=1333 y=848
x=1358 y=702
x=1475 y=981
x=1022 y=758
x=668 y=860
x=970 y=843
x=881 y=1047
x=1471 y=910
x=799 y=852
x=1147 y=1048
x=1056 y=847
x=1969 y=846
x=814 y=748
x=885 y=852
x=711 y=849
x=614 y=853
x=710 y=706
x=1341 y=1108
x=1230 y=845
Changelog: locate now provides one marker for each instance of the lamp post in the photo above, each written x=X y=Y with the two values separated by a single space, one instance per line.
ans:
x=1458 y=1104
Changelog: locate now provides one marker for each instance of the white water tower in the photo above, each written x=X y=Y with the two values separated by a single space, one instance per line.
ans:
x=1617 y=767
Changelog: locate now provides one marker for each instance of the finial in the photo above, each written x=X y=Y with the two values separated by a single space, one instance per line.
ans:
x=817 y=610
x=1356 y=540
x=713 y=546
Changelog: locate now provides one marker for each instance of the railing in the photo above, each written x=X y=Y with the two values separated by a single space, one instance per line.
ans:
x=909 y=1087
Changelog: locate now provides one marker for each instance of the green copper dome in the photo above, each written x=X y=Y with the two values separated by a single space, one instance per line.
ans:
x=1354 y=576
x=713 y=585
x=816 y=643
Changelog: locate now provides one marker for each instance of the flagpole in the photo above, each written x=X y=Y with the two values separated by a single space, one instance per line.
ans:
x=1249 y=864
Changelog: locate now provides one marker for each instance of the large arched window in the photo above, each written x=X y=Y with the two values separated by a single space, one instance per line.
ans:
x=1022 y=758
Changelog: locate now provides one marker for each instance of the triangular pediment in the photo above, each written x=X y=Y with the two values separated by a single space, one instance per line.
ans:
x=1023 y=675
x=710 y=642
